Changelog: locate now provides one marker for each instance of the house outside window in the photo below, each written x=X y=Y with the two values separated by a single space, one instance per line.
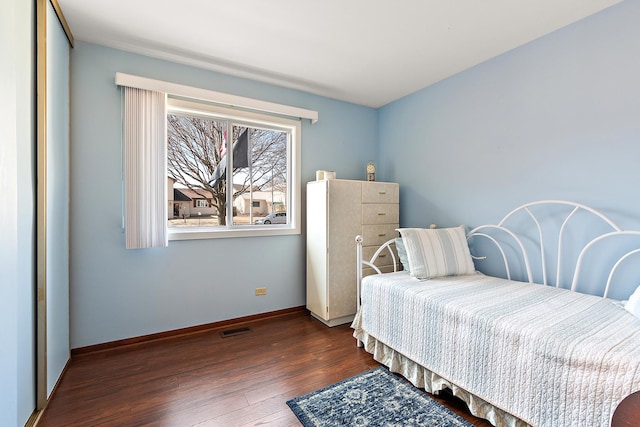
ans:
x=202 y=141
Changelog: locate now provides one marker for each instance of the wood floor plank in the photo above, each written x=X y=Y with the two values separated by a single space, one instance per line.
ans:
x=203 y=379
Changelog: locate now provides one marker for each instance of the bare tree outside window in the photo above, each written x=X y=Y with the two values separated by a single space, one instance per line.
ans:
x=197 y=153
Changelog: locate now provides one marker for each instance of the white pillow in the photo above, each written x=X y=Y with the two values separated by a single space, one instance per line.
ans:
x=437 y=252
x=633 y=305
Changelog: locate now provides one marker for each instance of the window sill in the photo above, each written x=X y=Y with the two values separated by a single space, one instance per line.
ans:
x=197 y=233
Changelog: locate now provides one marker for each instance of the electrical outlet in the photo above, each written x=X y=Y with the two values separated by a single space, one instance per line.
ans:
x=261 y=291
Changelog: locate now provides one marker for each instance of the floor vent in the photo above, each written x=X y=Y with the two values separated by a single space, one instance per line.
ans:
x=233 y=332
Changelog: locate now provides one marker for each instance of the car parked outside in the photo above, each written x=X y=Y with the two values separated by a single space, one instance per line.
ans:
x=273 y=218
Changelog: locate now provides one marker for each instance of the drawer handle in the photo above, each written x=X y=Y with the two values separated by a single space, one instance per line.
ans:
x=382 y=255
x=382 y=193
x=382 y=213
x=382 y=234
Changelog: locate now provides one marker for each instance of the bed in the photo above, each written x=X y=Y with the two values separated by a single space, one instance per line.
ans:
x=548 y=335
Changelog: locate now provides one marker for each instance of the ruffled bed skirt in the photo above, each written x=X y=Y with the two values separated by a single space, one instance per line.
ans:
x=421 y=377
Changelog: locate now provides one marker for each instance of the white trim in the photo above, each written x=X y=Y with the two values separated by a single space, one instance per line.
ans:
x=129 y=80
x=196 y=233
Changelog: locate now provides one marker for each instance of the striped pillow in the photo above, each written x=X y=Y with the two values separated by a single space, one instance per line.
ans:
x=437 y=252
x=633 y=305
x=402 y=254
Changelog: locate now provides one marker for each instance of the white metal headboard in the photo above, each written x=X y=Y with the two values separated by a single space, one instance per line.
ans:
x=559 y=237
x=361 y=263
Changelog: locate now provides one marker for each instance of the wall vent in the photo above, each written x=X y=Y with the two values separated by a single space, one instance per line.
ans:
x=234 y=332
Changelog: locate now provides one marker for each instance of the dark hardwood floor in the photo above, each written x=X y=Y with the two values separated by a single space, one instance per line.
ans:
x=203 y=379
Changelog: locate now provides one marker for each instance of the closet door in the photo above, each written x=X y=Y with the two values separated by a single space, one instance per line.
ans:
x=317 y=238
x=52 y=216
x=344 y=213
x=333 y=221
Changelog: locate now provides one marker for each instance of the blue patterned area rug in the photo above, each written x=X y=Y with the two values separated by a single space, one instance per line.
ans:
x=373 y=398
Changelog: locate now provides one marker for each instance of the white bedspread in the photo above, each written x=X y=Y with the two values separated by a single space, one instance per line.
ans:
x=549 y=356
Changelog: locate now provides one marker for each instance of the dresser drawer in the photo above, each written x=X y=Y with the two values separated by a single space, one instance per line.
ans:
x=384 y=259
x=375 y=235
x=379 y=192
x=380 y=213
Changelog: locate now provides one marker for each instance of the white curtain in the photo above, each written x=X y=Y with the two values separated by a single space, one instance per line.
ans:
x=145 y=140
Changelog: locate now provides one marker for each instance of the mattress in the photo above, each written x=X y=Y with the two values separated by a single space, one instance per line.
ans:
x=548 y=356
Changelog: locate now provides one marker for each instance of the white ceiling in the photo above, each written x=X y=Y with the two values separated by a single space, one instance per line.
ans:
x=368 y=52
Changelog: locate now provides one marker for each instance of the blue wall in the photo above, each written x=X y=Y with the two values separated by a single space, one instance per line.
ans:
x=557 y=118
x=117 y=294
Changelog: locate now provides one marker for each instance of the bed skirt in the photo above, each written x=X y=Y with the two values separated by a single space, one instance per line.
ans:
x=431 y=382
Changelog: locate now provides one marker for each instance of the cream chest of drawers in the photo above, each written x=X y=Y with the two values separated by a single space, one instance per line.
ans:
x=337 y=211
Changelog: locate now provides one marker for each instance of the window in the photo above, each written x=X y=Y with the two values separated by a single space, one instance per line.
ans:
x=151 y=195
x=206 y=197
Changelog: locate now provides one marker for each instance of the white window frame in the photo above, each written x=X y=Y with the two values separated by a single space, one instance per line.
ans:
x=293 y=127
